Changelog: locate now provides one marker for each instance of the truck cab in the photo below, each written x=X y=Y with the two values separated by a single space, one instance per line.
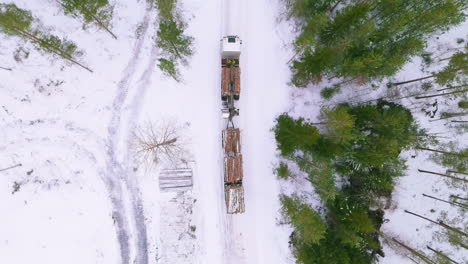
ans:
x=231 y=47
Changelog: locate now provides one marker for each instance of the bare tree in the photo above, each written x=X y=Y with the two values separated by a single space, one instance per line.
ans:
x=163 y=141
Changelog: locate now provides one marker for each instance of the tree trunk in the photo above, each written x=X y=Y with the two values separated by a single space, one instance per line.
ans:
x=458 y=197
x=443 y=152
x=458 y=172
x=53 y=49
x=414 y=80
x=444 y=175
x=11 y=167
x=320 y=123
x=452 y=87
x=459 y=121
x=452 y=116
x=6 y=69
x=413 y=251
x=442 y=94
x=452 y=203
x=442 y=255
x=439 y=223
x=425 y=77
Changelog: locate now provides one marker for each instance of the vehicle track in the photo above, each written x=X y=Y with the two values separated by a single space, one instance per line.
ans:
x=120 y=176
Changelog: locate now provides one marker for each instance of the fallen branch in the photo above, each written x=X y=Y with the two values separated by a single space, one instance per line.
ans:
x=443 y=175
x=11 y=167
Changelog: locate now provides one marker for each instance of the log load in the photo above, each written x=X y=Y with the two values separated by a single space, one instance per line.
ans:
x=234 y=195
x=226 y=80
x=231 y=140
x=233 y=169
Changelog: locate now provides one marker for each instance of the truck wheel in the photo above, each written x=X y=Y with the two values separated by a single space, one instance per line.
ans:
x=236 y=97
x=224 y=98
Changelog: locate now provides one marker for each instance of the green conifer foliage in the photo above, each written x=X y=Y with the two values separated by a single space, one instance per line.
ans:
x=98 y=12
x=306 y=221
x=293 y=134
x=21 y=23
x=176 y=46
x=365 y=39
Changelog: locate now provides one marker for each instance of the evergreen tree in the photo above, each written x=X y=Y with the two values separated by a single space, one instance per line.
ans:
x=389 y=129
x=176 y=46
x=450 y=156
x=339 y=124
x=292 y=135
x=20 y=23
x=308 y=225
x=172 y=40
x=98 y=12
x=365 y=39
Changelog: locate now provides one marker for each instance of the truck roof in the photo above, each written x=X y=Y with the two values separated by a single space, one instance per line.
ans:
x=231 y=47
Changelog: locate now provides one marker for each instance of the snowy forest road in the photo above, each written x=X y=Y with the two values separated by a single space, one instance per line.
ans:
x=120 y=181
x=254 y=236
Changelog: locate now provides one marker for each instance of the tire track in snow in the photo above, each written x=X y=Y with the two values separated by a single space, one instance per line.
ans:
x=132 y=182
x=117 y=177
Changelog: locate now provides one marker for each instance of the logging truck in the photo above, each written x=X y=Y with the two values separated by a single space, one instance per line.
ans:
x=231 y=144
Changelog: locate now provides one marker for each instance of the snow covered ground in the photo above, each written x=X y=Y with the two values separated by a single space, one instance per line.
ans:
x=79 y=195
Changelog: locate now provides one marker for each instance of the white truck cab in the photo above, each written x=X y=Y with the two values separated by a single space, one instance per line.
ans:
x=231 y=47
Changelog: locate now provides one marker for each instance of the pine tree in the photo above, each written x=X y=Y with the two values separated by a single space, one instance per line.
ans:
x=309 y=227
x=176 y=46
x=292 y=135
x=20 y=23
x=98 y=12
x=366 y=39
x=172 y=40
x=339 y=124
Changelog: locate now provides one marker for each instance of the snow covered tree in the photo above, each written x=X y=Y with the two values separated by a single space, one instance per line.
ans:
x=450 y=156
x=173 y=41
x=455 y=72
x=309 y=226
x=20 y=23
x=365 y=39
x=98 y=12
x=176 y=46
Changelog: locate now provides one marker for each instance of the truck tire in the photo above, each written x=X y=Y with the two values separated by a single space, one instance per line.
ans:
x=236 y=97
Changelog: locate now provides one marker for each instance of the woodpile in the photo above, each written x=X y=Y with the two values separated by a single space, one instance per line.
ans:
x=175 y=180
x=231 y=140
x=234 y=198
x=226 y=80
x=233 y=169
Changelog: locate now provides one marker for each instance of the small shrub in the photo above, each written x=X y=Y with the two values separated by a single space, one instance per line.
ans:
x=426 y=86
x=427 y=58
x=463 y=104
x=283 y=171
x=460 y=40
x=328 y=92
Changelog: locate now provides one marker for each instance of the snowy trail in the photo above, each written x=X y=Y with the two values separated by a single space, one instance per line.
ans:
x=119 y=177
x=254 y=237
